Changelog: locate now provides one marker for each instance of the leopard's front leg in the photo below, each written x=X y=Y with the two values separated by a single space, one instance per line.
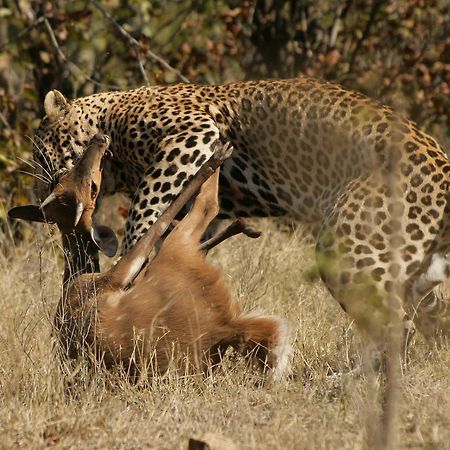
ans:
x=178 y=158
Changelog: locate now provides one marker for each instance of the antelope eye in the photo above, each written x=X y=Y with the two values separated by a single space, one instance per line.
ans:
x=94 y=190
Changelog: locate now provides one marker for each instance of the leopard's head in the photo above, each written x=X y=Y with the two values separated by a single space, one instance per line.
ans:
x=59 y=140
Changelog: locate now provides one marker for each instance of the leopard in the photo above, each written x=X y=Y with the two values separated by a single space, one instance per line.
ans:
x=373 y=185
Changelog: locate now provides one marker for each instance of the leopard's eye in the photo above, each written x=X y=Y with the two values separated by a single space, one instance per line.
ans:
x=54 y=182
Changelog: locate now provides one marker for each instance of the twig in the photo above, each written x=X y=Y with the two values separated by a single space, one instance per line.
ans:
x=376 y=5
x=5 y=122
x=172 y=20
x=137 y=46
x=55 y=44
x=304 y=25
x=180 y=16
x=22 y=33
x=341 y=12
x=100 y=61
x=71 y=66
x=402 y=69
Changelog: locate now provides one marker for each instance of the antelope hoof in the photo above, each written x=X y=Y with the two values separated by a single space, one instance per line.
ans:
x=222 y=151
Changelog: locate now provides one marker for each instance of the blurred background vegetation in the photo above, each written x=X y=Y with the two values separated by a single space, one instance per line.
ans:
x=395 y=51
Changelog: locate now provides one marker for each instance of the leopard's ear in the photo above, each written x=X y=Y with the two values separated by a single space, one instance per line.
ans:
x=55 y=105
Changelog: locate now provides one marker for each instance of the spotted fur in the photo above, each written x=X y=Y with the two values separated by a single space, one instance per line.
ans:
x=306 y=149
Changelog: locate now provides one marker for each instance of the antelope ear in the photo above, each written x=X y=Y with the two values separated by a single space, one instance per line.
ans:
x=105 y=239
x=31 y=213
x=55 y=105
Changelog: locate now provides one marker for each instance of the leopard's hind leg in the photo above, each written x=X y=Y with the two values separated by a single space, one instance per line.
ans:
x=358 y=261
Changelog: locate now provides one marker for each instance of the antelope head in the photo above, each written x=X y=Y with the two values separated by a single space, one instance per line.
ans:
x=72 y=202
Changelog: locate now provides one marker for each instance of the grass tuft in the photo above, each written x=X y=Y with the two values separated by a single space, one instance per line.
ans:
x=321 y=406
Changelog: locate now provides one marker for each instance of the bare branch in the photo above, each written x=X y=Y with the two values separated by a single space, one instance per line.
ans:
x=5 y=122
x=70 y=65
x=341 y=12
x=55 y=44
x=376 y=5
x=179 y=17
x=181 y=14
x=401 y=69
x=137 y=46
x=23 y=33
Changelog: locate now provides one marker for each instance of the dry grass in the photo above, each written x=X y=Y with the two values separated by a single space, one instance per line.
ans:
x=321 y=407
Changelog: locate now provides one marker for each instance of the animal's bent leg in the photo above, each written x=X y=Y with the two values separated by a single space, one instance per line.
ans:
x=133 y=262
x=357 y=260
x=238 y=226
x=206 y=207
x=177 y=160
